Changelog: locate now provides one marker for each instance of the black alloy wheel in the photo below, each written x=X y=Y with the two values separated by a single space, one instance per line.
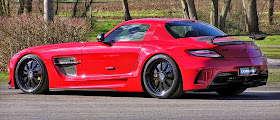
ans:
x=31 y=75
x=162 y=78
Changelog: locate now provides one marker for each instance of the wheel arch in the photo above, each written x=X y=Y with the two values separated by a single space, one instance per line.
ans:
x=145 y=62
x=14 y=70
x=17 y=61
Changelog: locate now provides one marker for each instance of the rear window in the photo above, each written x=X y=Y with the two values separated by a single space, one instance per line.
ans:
x=180 y=29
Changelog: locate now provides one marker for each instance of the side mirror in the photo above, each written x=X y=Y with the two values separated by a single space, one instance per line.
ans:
x=100 y=37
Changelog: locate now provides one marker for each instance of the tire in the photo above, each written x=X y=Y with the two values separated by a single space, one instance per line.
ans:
x=31 y=75
x=162 y=78
x=230 y=91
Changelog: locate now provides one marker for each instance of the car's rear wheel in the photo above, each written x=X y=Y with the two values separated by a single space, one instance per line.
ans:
x=230 y=91
x=162 y=78
x=31 y=75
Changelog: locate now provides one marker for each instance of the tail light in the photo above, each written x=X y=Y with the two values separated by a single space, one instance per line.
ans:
x=205 y=53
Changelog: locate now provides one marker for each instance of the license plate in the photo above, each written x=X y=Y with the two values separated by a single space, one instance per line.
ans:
x=245 y=71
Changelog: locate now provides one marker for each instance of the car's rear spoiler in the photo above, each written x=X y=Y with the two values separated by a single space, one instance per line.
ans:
x=210 y=39
x=253 y=37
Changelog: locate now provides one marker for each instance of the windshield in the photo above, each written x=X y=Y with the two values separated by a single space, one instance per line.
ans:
x=180 y=29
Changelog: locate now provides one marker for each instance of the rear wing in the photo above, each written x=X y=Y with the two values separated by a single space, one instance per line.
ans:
x=210 y=39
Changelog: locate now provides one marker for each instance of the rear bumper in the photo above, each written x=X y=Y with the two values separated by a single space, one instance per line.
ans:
x=201 y=73
x=231 y=79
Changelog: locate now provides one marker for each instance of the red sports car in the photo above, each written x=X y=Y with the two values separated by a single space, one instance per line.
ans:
x=163 y=57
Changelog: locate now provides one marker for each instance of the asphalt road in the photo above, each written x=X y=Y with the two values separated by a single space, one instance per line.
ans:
x=256 y=103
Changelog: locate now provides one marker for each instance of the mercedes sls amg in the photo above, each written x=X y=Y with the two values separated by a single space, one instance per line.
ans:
x=163 y=57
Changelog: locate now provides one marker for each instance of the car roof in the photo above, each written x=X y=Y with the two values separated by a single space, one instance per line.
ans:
x=158 y=20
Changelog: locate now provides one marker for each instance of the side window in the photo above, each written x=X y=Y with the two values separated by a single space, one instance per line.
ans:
x=184 y=31
x=180 y=31
x=131 y=32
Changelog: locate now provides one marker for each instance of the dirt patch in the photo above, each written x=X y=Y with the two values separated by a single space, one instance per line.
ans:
x=148 y=5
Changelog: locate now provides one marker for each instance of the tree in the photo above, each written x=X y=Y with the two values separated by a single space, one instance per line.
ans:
x=225 y=9
x=270 y=11
x=192 y=10
x=214 y=13
x=28 y=6
x=41 y=6
x=87 y=7
x=56 y=8
x=4 y=8
x=75 y=8
x=1 y=9
x=126 y=11
x=48 y=10
x=189 y=10
x=250 y=10
x=185 y=9
x=8 y=8
x=21 y=7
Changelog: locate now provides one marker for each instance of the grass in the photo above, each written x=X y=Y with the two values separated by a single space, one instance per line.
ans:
x=274 y=76
x=102 y=27
x=265 y=13
x=271 y=52
x=4 y=76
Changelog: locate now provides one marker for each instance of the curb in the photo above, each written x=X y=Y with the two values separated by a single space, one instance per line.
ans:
x=273 y=62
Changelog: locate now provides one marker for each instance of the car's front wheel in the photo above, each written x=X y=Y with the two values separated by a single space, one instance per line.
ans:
x=31 y=75
x=162 y=78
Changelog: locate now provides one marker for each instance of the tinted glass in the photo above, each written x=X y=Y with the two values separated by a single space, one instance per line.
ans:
x=131 y=32
x=190 y=29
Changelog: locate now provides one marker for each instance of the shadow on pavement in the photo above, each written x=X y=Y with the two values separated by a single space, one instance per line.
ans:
x=187 y=95
x=100 y=93
x=243 y=96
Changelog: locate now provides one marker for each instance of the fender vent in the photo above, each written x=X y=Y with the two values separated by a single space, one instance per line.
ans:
x=66 y=65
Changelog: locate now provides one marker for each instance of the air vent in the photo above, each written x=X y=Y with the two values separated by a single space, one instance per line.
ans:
x=67 y=65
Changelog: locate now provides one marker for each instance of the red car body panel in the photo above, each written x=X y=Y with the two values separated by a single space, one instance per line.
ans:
x=128 y=59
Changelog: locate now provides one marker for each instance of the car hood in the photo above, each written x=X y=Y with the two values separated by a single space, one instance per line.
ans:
x=57 y=49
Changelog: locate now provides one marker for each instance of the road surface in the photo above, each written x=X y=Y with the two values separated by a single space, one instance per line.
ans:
x=256 y=103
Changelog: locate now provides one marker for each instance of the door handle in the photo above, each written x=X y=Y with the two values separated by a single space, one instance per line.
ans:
x=110 y=68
